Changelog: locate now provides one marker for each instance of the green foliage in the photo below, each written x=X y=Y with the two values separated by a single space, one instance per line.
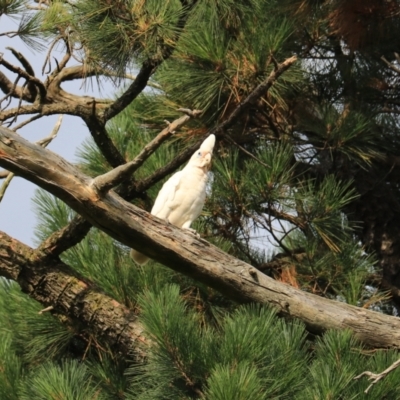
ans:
x=35 y=337
x=10 y=369
x=115 y=32
x=355 y=136
x=219 y=359
x=67 y=381
x=226 y=55
x=285 y=172
x=52 y=214
x=321 y=205
x=12 y=8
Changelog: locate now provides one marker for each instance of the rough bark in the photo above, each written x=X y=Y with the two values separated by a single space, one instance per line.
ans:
x=53 y=283
x=183 y=251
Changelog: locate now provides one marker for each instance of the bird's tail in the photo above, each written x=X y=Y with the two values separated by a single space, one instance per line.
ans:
x=139 y=258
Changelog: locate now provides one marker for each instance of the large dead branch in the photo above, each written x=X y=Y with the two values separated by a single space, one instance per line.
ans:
x=54 y=284
x=183 y=251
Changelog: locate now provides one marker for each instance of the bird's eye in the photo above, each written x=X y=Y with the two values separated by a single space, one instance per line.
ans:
x=199 y=153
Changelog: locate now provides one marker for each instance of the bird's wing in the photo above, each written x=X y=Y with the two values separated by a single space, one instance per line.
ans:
x=161 y=207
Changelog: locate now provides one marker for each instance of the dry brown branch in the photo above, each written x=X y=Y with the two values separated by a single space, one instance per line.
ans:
x=42 y=142
x=29 y=78
x=45 y=141
x=375 y=378
x=10 y=89
x=54 y=284
x=26 y=122
x=65 y=238
x=118 y=175
x=21 y=58
x=77 y=109
x=47 y=59
x=184 y=252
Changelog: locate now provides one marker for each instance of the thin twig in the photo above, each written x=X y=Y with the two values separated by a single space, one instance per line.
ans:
x=26 y=122
x=38 y=83
x=5 y=185
x=248 y=153
x=43 y=142
x=375 y=378
x=47 y=59
x=11 y=93
x=391 y=65
x=49 y=308
x=105 y=182
x=4 y=174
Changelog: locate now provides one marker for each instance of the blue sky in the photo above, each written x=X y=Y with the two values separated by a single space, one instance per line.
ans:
x=16 y=209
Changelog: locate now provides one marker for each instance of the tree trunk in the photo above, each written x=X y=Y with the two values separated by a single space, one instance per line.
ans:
x=183 y=251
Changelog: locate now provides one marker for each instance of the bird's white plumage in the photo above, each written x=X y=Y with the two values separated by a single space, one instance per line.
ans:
x=182 y=196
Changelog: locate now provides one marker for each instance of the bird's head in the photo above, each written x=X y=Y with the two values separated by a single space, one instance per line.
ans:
x=202 y=157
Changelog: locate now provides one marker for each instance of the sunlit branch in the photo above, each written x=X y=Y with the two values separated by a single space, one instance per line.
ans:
x=116 y=176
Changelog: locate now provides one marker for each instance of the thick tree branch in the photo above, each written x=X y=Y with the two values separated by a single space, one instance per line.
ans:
x=65 y=238
x=184 y=252
x=136 y=87
x=76 y=109
x=104 y=142
x=42 y=142
x=55 y=284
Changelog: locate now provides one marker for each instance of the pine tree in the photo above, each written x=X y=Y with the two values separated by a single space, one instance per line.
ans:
x=302 y=98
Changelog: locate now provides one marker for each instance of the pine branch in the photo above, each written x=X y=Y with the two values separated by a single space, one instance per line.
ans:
x=106 y=182
x=147 y=69
x=260 y=90
x=11 y=89
x=29 y=78
x=54 y=284
x=137 y=86
x=104 y=142
x=43 y=142
x=375 y=378
x=178 y=250
x=65 y=238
